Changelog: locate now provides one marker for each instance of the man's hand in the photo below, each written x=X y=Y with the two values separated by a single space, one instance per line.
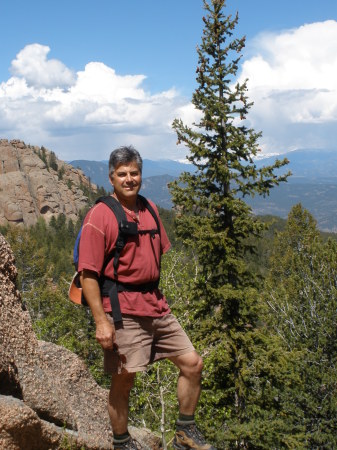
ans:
x=105 y=335
x=105 y=330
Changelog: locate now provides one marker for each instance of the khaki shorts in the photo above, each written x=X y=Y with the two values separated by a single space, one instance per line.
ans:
x=144 y=340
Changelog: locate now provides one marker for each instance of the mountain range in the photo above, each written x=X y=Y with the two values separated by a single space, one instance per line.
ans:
x=313 y=183
x=35 y=183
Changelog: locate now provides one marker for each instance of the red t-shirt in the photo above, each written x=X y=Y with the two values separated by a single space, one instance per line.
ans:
x=139 y=261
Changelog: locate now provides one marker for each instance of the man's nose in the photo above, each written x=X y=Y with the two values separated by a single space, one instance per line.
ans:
x=128 y=177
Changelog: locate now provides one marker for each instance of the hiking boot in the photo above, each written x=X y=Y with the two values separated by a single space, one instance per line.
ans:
x=129 y=444
x=188 y=436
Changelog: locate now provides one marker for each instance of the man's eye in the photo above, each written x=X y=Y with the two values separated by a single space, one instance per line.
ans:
x=124 y=174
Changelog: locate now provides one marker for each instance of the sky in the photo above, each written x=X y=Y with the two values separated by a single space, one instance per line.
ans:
x=82 y=77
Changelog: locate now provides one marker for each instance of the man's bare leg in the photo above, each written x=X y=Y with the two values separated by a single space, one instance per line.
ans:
x=189 y=381
x=118 y=404
x=189 y=386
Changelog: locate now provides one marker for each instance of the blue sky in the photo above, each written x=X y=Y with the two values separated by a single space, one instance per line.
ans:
x=83 y=77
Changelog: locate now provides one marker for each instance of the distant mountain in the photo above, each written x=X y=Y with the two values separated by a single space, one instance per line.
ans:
x=98 y=171
x=156 y=189
x=313 y=183
x=308 y=165
x=318 y=198
x=165 y=167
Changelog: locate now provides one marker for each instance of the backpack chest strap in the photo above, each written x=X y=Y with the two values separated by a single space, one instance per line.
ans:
x=110 y=288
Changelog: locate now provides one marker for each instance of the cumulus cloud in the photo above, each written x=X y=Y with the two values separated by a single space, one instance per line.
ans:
x=83 y=115
x=101 y=97
x=293 y=83
x=31 y=63
x=45 y=101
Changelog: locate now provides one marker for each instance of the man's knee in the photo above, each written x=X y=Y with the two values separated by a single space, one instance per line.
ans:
x=194 y=367
x=122 y=383
x=190 y=364
x=197 y=365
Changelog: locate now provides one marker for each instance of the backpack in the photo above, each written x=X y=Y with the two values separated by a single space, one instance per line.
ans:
x=108 y=286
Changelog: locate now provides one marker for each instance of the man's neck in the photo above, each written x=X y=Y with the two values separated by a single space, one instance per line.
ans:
x=130 y=204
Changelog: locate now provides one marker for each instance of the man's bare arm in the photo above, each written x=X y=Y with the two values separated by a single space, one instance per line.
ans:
x=105 y=331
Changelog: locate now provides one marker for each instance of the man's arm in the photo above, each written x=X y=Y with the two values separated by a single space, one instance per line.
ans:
x=105 y=331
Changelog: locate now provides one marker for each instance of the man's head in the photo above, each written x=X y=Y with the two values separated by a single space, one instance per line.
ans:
x=125 y=173
x=124 y=155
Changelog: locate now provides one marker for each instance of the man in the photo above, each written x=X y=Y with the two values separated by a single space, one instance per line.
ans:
x=148 y=331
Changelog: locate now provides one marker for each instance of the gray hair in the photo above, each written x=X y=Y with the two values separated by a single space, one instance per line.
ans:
x=124 y=155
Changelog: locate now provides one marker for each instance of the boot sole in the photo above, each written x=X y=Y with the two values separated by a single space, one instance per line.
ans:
x=178 y=446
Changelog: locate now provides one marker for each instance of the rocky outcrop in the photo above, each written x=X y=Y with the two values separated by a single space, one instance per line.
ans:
x=34 y=183
x=48 y=399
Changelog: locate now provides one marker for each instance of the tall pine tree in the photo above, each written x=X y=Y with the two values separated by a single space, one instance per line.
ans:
x=216 y=223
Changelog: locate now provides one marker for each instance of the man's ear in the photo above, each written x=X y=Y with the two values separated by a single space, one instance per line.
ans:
x=111 y=180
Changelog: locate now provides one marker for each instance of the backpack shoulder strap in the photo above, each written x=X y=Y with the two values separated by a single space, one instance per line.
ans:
x=114 y=205
x=119 y=212
x=148 y=206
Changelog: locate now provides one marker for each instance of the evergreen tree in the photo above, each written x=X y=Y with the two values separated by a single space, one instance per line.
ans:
x=43 y=155
x=52 y=162
x=71 y=229
x=60 y=172
x=301 y=291
x=216 y=223
x=29 y=258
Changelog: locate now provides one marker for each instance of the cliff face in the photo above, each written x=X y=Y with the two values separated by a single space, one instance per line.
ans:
x=34 y=183
x=48 y=399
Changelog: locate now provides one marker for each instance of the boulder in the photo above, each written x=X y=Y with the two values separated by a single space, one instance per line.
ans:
x=48 y=398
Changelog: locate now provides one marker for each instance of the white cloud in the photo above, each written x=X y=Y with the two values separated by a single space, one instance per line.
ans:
x=83 y=115
x=293 y=83
x=31 y=63
x=100 y=83
x=189 y=114
x=46 y=104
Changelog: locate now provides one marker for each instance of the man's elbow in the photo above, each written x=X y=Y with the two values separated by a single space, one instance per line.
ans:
x=88 y=276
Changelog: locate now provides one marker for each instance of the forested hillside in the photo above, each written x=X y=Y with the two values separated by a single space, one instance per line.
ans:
x=291 y=385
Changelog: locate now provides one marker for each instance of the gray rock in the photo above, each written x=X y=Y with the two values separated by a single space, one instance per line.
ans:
x=48 y=399
x=29 y=189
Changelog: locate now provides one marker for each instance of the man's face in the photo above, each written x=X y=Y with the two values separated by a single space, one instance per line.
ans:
x=126 y=180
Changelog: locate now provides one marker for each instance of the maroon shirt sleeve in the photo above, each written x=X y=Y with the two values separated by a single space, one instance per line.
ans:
x=98 y=222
